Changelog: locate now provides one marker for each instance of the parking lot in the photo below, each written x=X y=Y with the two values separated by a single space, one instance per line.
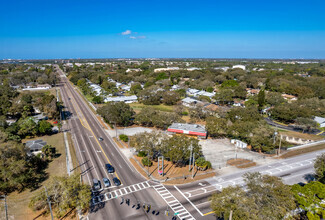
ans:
x=218 y=151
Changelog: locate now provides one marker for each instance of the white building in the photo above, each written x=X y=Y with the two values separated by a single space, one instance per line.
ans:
x=193 y=68
x=166 y=69
x=125 y=87
x=126 y=99
x=204 y=93
x=190 y=102
x=96 y=88
x=38 y=87
x=222 y=68
x=239 y=67
x=133 y=70
x=175 y=87
x=192 y=92
x=320 y=121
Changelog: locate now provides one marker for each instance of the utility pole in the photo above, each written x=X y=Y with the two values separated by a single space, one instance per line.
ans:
x=279 y=151
x=189 y=165
x=193 y=165
x=6 y=207
x=148 y=163
x=49 y=202
x=230 y=215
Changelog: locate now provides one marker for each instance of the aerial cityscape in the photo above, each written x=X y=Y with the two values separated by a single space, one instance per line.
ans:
x=177 y=110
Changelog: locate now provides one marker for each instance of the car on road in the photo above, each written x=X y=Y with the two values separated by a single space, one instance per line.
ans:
x=95 y=200
x=109 y=168
x=106 y=182
x=96 y=184
x=116 y=181
x=100 y=139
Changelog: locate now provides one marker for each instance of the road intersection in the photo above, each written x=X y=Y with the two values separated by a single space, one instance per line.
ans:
x=188 y=201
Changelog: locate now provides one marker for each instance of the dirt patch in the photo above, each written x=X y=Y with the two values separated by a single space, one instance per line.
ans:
x=241 y=163
x=172 y=174
x=302 y=151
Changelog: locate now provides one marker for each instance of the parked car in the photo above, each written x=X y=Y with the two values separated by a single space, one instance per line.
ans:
x=116 y=181
x=106 y=182
x=109 y=168
x=96 y=184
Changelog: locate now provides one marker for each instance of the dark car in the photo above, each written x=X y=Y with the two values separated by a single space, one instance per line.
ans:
x=116 y=181
x=109 y=168
x=100 y=139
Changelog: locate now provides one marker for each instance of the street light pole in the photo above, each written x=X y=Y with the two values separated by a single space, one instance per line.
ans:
x=193 y=165
x=189 y=166
x=6 y=207
x=49 y=202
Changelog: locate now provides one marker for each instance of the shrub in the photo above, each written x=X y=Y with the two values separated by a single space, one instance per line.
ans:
x=203 y=164
x=184 y=113
x=142 y=154
x=146 y=162
x=124 y=137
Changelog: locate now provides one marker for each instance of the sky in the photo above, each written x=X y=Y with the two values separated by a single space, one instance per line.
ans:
x=37 y=29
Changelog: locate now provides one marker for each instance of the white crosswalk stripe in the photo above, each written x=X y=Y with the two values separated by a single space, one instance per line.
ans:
x=125 y=190
x=173 y=203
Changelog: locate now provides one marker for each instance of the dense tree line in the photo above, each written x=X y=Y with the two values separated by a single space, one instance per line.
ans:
x=176 y=148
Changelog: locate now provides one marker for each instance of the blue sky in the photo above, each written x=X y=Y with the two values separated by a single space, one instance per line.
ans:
x=136 y=29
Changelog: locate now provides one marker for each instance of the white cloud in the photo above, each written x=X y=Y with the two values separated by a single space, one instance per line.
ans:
x=138 y=37
x=127 y=32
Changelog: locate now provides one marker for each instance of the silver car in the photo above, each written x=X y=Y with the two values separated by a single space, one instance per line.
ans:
x=106 y=182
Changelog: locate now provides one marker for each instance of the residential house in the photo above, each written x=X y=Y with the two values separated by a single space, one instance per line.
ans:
x=166 y=69
x=225 y=68
x=35 y=146
x=290 y=98
x=190 y=102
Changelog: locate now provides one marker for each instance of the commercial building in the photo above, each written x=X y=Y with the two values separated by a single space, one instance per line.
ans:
x=190 y=129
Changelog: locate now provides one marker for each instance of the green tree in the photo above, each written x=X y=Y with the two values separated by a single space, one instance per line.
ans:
x=319 y=167
x=98 y=100
x=44 y=127
x=136 y=88
x=310 y=198
x=117 y=112
x=216 y=127
x=48 y=151
x=261 y=99
x=27 y=127
x=170 y=98
x=265 y=197
x=65 y=194
x=306 y=124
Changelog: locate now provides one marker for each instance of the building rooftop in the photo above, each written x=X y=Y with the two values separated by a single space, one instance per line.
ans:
x=35 y=144
x=188 y=127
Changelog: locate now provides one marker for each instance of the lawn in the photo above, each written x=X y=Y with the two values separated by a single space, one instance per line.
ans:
x=165 y=108
x=18 y=202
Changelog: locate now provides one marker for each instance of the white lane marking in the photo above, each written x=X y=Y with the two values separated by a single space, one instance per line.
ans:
x=119 y=192
x=83 y=140
x=189 y=201
x=99 y=160
x=75 y=138
x=174 y=204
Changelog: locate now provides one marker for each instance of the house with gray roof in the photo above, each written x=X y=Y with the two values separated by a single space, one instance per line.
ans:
x=35 y=146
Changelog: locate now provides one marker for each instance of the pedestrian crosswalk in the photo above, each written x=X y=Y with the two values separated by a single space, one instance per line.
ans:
x=173 y=203
x=123 y=191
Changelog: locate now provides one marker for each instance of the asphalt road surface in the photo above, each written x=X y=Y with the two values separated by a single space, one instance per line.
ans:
x=189 y=201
